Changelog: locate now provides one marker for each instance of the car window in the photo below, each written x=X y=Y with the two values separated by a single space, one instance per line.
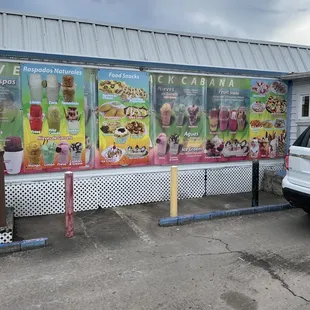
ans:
x=303 y=139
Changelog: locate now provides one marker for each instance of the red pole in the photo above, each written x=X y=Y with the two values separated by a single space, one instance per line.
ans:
x=2 y=192
x=69 y=212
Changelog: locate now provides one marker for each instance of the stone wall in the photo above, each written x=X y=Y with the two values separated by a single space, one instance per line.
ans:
x=272 y=182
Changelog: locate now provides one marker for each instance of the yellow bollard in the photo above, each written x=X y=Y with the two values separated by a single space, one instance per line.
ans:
x=174 y=191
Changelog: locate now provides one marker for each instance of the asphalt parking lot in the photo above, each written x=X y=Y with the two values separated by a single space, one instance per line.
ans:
x=121 y=259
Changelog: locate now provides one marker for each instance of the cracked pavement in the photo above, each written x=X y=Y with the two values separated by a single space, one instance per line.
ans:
x=121 y=259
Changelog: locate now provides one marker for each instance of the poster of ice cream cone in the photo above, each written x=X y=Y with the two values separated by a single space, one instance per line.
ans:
x=227 y=119
x=53 y=117
x=11 y=124
x=268 y=118
x=180 y=120
x=123 y=117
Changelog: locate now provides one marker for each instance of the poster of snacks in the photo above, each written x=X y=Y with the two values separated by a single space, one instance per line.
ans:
x=123 y=107
x=268 y=119
x=228 y=118
x=180 y=121
x=54 y=120
x=11 y=124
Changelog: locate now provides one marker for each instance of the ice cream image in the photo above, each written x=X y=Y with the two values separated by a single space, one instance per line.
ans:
x=162 y=143
x=53 y=119
x=63 y=151
x=35 y=87
x=73 y=120
x=165 y=113
x=179 y=111
x=214 y=120
x=214 y=147
x=48 y=150
x=68 y=88
x=34 y=152
x=174 y=144
x=224 y=117
x=241 y=119
x=52 y=88
x=13 y=155
x=88 y=149
x=76 y=152
x=121 y=135
x=233 y=124
x=193 y=114
x=36 y=118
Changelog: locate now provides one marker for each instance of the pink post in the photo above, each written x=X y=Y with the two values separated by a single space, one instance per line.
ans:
x=69 y=204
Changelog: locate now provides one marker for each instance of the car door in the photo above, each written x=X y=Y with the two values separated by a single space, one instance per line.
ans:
x=299 y=160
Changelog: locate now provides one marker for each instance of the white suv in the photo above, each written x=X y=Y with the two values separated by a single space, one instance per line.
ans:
x=296 y=184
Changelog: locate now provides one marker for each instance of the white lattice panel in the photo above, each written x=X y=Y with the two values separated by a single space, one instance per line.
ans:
x=86 y=193
x=6 y=236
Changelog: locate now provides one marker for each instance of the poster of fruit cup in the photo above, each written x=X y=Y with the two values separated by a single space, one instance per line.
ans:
x=227 y=119
x=11 y=125
x=53 y=116
x=124 y=117
x=268 y=118
x=180 y=119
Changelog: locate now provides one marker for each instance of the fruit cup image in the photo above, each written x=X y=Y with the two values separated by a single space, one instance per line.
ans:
x=162 y=143
x=35 y=87
x=179 y=111
x=48 y=150
x=73 y=120
x=165 y=114
x=193 y=111
x=36 y=118
x=174 y=144
x=241 y=119
x=13 y=155
x=214 y=120
x=52 y=88
x=68 y=88
x=233 y=124
x=224 y=118
x=53 y=119
x=76 y=152
x=63 y=151
x=34 y=153
x=88 y=148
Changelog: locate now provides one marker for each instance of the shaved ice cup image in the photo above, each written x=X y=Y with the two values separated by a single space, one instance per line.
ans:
x=68 y=88
x=53 y=119
x=13 y=155
x=35 y=87
x=63 y=151
x=165 y=113
x=34 y=153
x=162 y=142
x=52 y=88
x=48 y=152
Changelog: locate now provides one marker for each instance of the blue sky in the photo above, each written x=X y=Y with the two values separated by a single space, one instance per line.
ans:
x=275 y=20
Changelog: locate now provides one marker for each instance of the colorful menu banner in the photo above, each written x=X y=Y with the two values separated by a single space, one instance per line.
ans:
x=268 y=118
x=11 y=124
x=180 y=119
x=54 y=120
x=124 y=117
x=228 y=118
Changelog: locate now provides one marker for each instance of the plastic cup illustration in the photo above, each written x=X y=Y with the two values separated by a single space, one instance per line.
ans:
x=13 y=155
x=48 y=150
x=34 y=152
x=68 y=88
x=53 y=119
x=179 y=111
x=36 y=118
x=73 y=120
x=224 y=118
x=88 y=148
x=8 y=110
x=165 y=113
x=35 y=87
x=174 y=144
x=76 y=152
x=52 y=88
x=214 y=120
x=233 y=124
x=162 y=142
x=193 y=111
x=63 y=151
x=241 y=119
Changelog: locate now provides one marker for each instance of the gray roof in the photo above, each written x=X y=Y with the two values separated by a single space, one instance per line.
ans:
x=52 y=35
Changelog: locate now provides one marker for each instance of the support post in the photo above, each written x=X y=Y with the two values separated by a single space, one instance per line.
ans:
x=174 y=191
x=2 y=192
x=255 y=183
x=69 y=210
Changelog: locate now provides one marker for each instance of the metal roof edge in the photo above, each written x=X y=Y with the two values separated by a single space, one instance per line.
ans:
x=296 y=76
x=142 y=65
x=188 y=34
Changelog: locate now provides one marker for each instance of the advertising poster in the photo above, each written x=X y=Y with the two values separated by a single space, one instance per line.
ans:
x=11 y=124
x=53 y=114
x=180 y=119
x=228 y=117
x=124 y=117
x=268 y=119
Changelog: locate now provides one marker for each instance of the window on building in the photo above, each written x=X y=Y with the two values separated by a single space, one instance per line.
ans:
x=305 y=106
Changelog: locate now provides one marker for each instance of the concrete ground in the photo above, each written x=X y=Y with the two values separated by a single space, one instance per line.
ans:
x=121 y=259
